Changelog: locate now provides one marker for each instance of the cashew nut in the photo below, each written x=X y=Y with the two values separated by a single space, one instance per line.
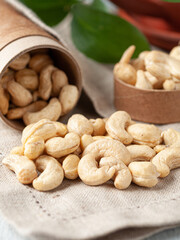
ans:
x=127 y=55
x=141 y=152
x=144 y=174
x=85 y=141
x=122 y=176
x=52 y=112
x=59 y=80
x=153 y=80
x=145 y=134
x=39 y=61
x=80 y=125
x=27 y=78
x=142 y=82
x=138 y=64
x=4 y=100
x=175 y=52
x=116 y=126
x=19 y=150
x=20 y=96
x=89 y=172
x=125 y=72
x=159 y=148
x=24 y=168
x=70 y=166
x=108 y=148
x=34 y=147
x=52 y=173
x=166 y=160
x=8 y=76
x=169 y=85
x=20 y=62
x=68 y=98
x=17 y=113
x=171 y=137
x=98 y=127
x=58 y=147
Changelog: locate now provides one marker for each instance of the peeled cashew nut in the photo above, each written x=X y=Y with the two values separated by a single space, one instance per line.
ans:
x=39 y=61
x=98 y=127
x=70 y=166
x=171 y=137
x=125 y=72
x=20 y=62
x=116 y=126
x=108 y=148
x=85 y=141
x=52 y=173
x=166 y=160
x=141 y=152
x=45 y=84
x=19 y=150
x=142 y=82
x=34 y=147
x=8 y=76
x=58 y=147
x=144 y=174
x=52 y=112
x=59 y=80
x=138 y=64
x=175 y=52
x=80 y=125
x=145 y=134
x=4 y=100
x=122 y=176
x=153 y=80
x=89 y=172
x=127 y=55
x=169 y=85
x=159 y=148
x=28 y=78
x=24 y=168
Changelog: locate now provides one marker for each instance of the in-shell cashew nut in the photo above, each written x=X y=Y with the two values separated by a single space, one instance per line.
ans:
x=52 y=112
x=122 y=176
x=98 y=127
x=52 y=173
x=4 y=100
x=27 y=78
x=70 y=166
x=59 y=80
x=166 y=160
x=58 y=147
x=91 y=174
x=145 y=134
x=108 y=148
x=144 y=174
x=141 y=152
x=68 y=98
x=34 y=147
x=116 y=126
x=39 y=61
x=20 y=62
x=24 y=168
x=80 y=125
x=142 y=82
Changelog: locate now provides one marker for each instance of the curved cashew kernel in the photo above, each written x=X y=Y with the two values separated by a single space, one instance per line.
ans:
x=52 y=112
x=4 y=100
x=108 y=148
x=28 y=78
x=17 y=113
x=89 y=172
x=116 y=125
x=169 y=85
x=52 y=174
x=145 y=134
x=171 y=137
x=70 y=166
x=95 y=138
x=144 y=174
x=58 y=147
x=45 y=84
x=8 y=76
x=21 y=97
x=142 y=82
x=39 y=61
x=153 y=80
x=98 y=127
x=85 y=141
x=166 y=160
x=59 y=80
x=122 y=176
x=125 y=72
x=45 y=129
x=141 y=152
x=143 y=54
x=175 y=52
x=19 y=150
x=24 y=168
x=80 y=125
x=138 y=64
x=20 y=62
x=34 y=147
x=127 y=55
x=159 y=148
x=68 y=98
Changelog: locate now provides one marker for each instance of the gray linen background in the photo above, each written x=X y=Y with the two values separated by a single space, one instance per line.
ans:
x=77 y=211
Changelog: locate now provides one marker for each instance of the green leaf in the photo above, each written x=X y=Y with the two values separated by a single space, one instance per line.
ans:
x=50 y=11
x=102 y=36
x=100 y=5
x=173 y=1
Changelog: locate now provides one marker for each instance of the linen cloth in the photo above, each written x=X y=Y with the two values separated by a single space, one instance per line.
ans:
x=77 y=211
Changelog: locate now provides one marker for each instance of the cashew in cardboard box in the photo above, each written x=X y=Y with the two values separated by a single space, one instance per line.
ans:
x=39 y=61
x=24 y=168
x=20 y=62
x=59 y=80
x=4 y=100
x=142 y=82
x=70 y=166
x=116 y=126
x=144 y=174
x=166 y=160
x=52 y=173
x=28 y=78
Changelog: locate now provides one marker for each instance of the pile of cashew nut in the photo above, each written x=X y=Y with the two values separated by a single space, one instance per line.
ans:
x=96 y=151
x=151 y=70
x=32 y=88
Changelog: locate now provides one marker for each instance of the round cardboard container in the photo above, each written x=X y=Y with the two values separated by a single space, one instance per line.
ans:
x=24 y=36
x=151 y=106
